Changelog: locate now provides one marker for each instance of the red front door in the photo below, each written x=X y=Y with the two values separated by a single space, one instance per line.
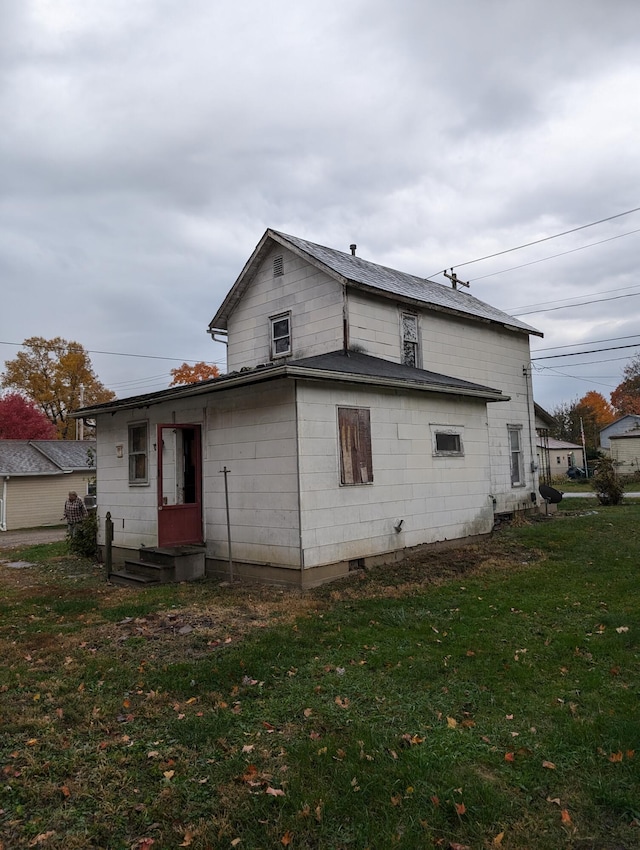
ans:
x=179 y=485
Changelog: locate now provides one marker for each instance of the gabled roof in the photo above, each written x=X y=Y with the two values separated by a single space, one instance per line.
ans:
x=544 y=415
x=351 y=367
x=362 y=274
x=46 y=457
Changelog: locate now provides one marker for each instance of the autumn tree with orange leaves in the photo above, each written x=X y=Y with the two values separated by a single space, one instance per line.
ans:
x=56 y=374
x=626 y=396
x=187 y=374
x=592 y=411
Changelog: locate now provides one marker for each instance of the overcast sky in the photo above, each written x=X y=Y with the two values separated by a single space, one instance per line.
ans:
x=146 y=145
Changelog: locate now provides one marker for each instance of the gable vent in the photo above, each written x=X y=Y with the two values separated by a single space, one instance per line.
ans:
x=278 y=266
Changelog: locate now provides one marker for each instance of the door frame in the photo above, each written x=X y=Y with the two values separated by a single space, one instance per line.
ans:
x=180 y=523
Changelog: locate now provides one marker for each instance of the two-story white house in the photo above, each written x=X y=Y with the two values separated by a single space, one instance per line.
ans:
x=364 y=411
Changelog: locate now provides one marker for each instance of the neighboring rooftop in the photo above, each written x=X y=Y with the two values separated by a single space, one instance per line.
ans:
x=46 y=457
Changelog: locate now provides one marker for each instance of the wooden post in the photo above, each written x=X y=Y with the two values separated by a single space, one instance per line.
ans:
x=226 y=500
x=108 y=540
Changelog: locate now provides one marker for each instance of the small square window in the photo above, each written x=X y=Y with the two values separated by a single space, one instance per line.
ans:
x=446 y=441
x=281 y=335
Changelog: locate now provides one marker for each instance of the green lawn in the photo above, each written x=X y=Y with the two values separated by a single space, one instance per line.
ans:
x=484 y=697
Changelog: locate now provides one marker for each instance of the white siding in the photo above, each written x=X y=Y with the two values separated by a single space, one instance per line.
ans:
x=313 y=299
x=252 y=433
x=474 y=351
x=439 y=498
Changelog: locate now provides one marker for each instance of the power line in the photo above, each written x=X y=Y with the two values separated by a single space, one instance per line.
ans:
x=143 y=356
x=589 y=351
x=578 y=304
x=586 y=342
x=543 y=239
x=554 y=256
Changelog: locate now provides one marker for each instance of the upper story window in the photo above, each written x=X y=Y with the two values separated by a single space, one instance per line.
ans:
x=410 y=346
x=138 y=453
x=515 y=448
x=280 y=335
x=278 y=266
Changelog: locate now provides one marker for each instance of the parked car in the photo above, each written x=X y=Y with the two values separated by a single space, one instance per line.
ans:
x=575 y=472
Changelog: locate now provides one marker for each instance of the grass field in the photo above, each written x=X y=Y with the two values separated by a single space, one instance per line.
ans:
x=484 y=697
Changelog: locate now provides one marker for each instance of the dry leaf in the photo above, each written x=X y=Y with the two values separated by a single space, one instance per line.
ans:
x=235 y=842
x=509 y=757
x=308 y=712
x=549 y=765
x=566 y=817
x=168 y=774
x=342 y=702
x=497 y=841
x=396 y=800
x=622 y=629
x=615 y=757
x=460 y=808
x=452 y=722
x=286 y=839
x=188 y=839
x=41 y=838
x=274 y=792
x=65 y=791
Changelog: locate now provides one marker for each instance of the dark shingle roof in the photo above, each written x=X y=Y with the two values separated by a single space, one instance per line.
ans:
x=335 y=365
x=363 y=274
x=45 y=457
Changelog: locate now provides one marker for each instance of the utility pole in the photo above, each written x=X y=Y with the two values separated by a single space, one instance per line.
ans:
x=453 y=277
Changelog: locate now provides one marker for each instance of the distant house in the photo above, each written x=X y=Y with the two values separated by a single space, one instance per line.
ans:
x=558 y=455
x=36 y=476
x=365 y=411
x=625 y=425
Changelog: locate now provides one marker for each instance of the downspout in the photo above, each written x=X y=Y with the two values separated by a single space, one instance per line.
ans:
x=3 y=505
x=525 y=372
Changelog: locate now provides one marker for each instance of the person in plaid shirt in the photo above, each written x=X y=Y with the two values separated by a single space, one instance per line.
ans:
x=74 y=512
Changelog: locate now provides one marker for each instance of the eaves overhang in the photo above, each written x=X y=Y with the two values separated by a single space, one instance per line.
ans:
x=273 y=372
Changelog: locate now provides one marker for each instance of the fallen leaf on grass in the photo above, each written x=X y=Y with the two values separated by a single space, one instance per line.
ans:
x=549 y=765
x=615 y=757
x=65 y=791
x=41 y=838
x=235 y=842
x=396 y=800
x=565 y=816
x=453 y=845
x=452 y=722
x=622 y=629
x=411 y=740
x=497 y=841
x=274 y=792
x=509 y=757
x=169 y=774
x=188 y=839
x=286 y=839
x=460 y=808
x=342 y=702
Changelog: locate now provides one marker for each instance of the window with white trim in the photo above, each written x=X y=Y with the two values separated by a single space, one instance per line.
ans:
x=280 y=335
x=410 y=339
x=139 y=453
x=515 y=450
x=354 y=432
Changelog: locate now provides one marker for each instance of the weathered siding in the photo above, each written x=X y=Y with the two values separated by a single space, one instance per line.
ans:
x=625 y=451
x=438 y=498
x=251 y=431
x=313 y=298
x=39 y=500
x=474 y=351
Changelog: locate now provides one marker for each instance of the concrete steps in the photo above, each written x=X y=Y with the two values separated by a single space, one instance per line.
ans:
x=156 y=565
